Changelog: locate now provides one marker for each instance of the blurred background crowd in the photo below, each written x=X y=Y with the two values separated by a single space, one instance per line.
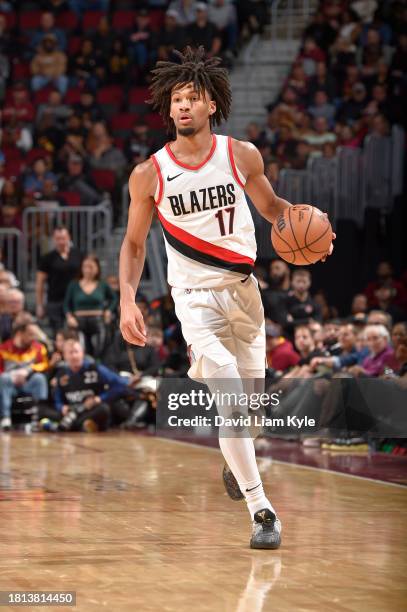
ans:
x=73 y=84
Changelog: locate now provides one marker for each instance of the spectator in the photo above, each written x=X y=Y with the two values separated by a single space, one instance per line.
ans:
x=121 y=356
x=56 y=269
x=85 y=391
x=322 y=80
x=140 y=144
x=280 y=352
x=86 y=111
x=186 y=11
x=49 y=66
x=322 y=108
x=85 y=64
x=171 y=36
x=352 y=109
x=310 y=55
x=77 y=180
x=349 y=355
x=19 y=109
x=80 y=6
x=23 y=362
x=142 y=42
x=47 y=28
x=55 y=109
x=305 y=345
x=321 y=30
x=34 y=180
x=385 y=296
x=56 y=7
x=223 y=15
x=299 y=307
x=277 y=290
x=321 y=134
x=378 y=317
x=381 y=354
x=202 y=32
x=89 y=305
x=16 y=136
x=398 y=334
x=102 y=153
x=13 y=306
x=359 y=304
x=118 y=63
x=103 y=39
x=385 y=276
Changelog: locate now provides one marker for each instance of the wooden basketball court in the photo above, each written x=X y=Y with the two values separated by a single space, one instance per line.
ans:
x=140 y=523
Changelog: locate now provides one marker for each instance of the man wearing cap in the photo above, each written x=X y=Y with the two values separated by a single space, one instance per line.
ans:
x=280 y=352
x=49 y=66
x=76 y=180
x=202 y=32
x=171 y=35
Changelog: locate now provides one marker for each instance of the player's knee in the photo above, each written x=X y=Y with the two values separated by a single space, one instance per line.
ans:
x=212 y=369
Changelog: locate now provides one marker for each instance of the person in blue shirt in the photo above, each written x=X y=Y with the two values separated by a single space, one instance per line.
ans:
x=85 y=391
x=349 y=355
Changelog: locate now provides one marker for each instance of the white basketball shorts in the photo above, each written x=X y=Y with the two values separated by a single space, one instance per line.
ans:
x=225 y=324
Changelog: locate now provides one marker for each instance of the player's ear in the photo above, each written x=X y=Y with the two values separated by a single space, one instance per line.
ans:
x=212 y=107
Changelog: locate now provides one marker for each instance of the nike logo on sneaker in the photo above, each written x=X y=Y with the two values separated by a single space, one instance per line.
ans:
x=248 y=490
x=174 y=177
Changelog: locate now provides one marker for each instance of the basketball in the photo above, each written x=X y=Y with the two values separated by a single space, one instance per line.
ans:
x=301 y=235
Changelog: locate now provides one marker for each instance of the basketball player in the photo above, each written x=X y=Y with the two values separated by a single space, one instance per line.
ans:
x=196 y=185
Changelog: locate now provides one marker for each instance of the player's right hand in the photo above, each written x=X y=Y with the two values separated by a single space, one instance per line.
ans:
x=132 y=325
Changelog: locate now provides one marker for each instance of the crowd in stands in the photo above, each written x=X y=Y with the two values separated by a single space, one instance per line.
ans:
x=73 y=88
x=73 y=362
x=347 y=81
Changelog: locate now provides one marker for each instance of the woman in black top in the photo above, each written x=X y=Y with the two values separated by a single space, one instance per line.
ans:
x=89 y=305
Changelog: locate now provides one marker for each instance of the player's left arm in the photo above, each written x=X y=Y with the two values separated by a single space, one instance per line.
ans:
x=250 y=162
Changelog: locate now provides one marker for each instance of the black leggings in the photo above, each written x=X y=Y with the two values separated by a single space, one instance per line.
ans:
x=99 y=413
x=94 y=331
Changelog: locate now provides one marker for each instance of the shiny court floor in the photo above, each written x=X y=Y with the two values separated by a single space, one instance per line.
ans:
x=140 y=523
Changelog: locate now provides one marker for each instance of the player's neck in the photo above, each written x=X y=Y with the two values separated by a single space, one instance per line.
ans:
x=199 y=143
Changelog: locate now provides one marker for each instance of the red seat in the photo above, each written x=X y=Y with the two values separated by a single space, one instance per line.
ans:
x=123 y=121
x=30 y=20
x=72 y=96
x=123 y=20
x=111 y=94
x=11 y=19
x=91 y=20
x=104 y=179
x=35 y=154
x=74 y=45
x=154 y=121
x=41 y=96
x=12 y=153
x=156 y=19
x=71 y=198
x=13 y=169
x=139 y=95
x=20 y=71
x=67 y=21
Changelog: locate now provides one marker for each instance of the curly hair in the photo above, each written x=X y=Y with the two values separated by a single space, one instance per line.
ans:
x=204 y=74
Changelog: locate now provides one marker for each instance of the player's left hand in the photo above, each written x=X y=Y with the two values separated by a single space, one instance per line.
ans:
x=331 y=248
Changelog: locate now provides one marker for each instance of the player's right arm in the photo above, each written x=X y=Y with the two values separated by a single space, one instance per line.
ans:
x=142 y=186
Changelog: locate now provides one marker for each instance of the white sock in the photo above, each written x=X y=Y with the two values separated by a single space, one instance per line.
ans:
x=239 y=452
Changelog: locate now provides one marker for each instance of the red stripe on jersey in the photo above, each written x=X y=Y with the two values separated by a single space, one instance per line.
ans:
x=203 y=245
x=187 y=166
x=232 y=163
x=160 y=179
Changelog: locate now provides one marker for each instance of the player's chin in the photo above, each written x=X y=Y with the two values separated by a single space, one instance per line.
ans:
x=186 y=131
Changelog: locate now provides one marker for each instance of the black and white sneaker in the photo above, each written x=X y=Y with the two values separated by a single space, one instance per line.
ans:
x=266 y=531
x=231 y=486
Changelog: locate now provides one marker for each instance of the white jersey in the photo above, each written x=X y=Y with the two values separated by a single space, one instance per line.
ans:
x=207 y=224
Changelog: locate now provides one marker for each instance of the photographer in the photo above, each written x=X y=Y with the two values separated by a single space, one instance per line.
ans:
x=85 y=391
